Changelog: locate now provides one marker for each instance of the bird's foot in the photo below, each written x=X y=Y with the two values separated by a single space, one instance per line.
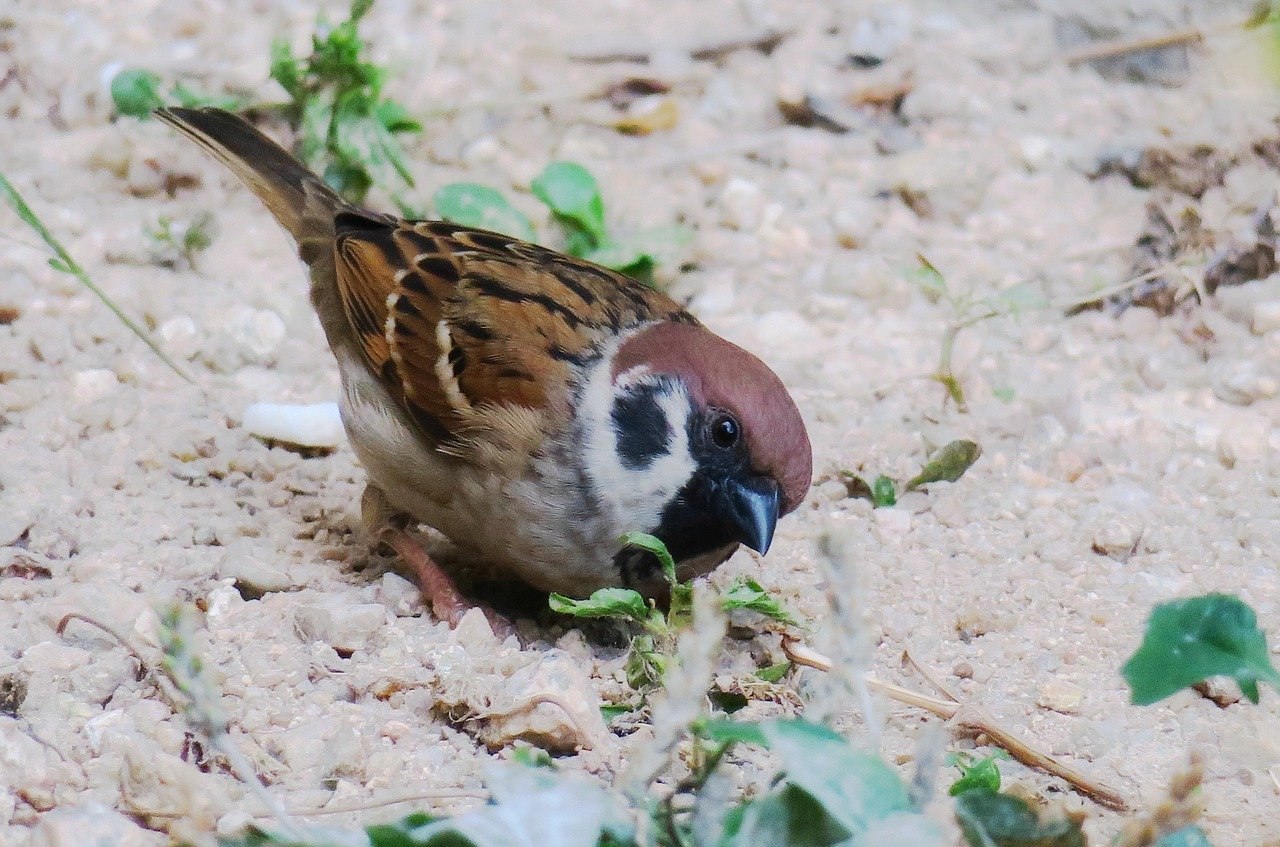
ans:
x=446 y=601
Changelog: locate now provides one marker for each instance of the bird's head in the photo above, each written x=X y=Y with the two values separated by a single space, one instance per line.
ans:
x=708 y=448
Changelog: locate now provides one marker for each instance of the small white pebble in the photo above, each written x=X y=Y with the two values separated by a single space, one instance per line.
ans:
x=314 y=425
x=94 y=384
x=1266 y=317
x=1060 y=696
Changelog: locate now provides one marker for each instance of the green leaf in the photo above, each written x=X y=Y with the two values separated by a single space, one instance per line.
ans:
x=1188 y=641
x=193 y=99
x=571 y=193
x=532 y=757
x=679 y=610
x=610 y=711
x=359 y=8
x=482 y=207
x=929 y=279
x=645 y=665
x=746 y=593
x=723 y=731
x=1188 y=836
x=285 y=69
x=654 y=545
x=603 y=603
x=980 y=774
x=948 y=464
x=854 y=787
x=988 y=819
x=398 y=833
x=884 y=492
x=532 y=807
x=136 y=93
x=395 y=117
x=623 y=258
x=774 y=673
x=786 y=817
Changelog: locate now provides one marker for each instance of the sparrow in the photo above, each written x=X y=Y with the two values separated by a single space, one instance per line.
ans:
x=530 y=406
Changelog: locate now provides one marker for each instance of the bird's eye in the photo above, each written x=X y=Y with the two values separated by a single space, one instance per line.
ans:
x=725 y=431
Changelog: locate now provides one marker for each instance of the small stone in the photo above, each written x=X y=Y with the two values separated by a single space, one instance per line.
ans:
x=345 y=628
x=316 y=425
x=1241 y=383
x=553 y=706
x=180 y=337
x=963 y=670
x=20 y=395
x=1060 y=696
x=256 y=333
x=742 y=204
x=93 y=384
x=1118 y=537
x=1266 y=317
x=893 y=524
x=401 y=596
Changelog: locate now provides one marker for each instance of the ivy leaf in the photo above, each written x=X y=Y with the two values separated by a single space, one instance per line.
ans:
x=854 y=787
x=572 y=194
x=749 y=594
x=774 y=673
x=948 y=464
x=884 y=492
x=988 y=819
x=828 y=793
x=603 y=603
x=136 y=93
x=975 y=774
x=480 y=206
x=654 y=545
x=1188 y=641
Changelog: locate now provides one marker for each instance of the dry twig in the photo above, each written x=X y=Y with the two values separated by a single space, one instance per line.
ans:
x=970 y=718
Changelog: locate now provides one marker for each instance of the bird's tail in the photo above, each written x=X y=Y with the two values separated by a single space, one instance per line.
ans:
x=299 y=199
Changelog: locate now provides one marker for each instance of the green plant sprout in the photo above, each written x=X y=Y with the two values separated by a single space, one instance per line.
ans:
x=136 y=93
x=819 y=791
x=651 y=649
x=178 y=244
x=966 y=311
x=975 y=774
x=947 y=464
x=63 y=263
x=347 y=128
x=573 y=196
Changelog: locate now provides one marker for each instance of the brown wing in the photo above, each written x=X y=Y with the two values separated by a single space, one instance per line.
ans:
x=456 y=320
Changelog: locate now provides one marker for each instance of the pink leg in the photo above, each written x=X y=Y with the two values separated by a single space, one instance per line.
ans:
x=445 y=600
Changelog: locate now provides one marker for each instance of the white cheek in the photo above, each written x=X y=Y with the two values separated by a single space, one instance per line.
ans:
x=633 y=498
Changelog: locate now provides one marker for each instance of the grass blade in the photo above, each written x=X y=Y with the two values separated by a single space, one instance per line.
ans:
x=62 y=261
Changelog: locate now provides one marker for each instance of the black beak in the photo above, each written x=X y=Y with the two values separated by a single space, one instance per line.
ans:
x=751 y=506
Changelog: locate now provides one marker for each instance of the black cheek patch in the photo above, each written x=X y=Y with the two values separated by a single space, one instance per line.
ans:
x=641 y=428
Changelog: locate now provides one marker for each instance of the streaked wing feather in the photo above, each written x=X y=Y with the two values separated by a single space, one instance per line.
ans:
x=516 y=317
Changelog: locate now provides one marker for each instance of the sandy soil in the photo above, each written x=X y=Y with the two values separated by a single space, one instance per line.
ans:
x=1127 y=460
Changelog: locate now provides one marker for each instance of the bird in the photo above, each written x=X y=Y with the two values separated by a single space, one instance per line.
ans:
x=530 y=406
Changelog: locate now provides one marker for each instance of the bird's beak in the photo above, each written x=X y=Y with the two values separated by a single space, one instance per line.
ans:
x=752 y=506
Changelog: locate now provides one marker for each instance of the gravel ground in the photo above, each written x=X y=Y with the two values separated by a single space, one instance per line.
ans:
x=1128 y=459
